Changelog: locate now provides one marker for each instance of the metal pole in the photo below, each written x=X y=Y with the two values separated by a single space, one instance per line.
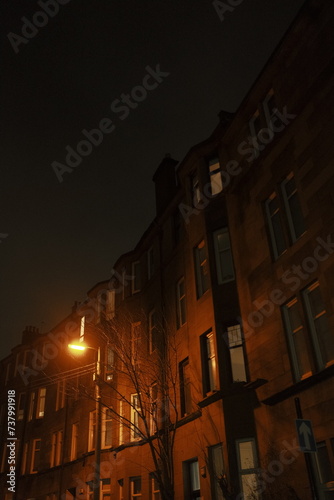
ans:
x=307 y=458
x=98 y=427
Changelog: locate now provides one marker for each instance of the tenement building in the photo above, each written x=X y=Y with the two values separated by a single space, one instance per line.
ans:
x=203 y=367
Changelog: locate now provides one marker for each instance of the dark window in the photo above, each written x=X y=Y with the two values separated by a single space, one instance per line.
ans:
x=181 y=316
x=201 y=269
x=185 y=388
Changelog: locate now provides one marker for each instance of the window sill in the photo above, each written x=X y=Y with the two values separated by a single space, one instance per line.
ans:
x=210 y=398
x=300 y=386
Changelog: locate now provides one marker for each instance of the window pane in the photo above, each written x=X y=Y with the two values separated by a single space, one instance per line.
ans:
x=297 y=341
x=292 y=208
x=237 y=356
x=246 y=455
x=323 y=463
x=202 y=277
x=224 y=260
x=215 y=176
x=194 y=476
x=249 y=487
x=322 y=335
x=275 y=225
x=217 y=465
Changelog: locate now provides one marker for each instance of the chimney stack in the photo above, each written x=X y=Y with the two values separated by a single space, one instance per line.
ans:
x=165 y=183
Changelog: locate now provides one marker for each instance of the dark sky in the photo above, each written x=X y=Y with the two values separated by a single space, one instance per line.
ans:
x=57 y=239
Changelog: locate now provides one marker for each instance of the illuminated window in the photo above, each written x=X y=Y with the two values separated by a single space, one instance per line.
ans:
x=217 y=470
x=237 y=356
x=215 y=173
x=201 y=269
x=181 y=315
x=82 y=329
x=154 y=488
x=41 y=402
x=74 y=441
x=209 y=366
x=21 y=406
x=136 y=281
x=60 y=396
x=223 y=254
x=91 y=430
x=195 y=190
x=56 y=448
x=185 y=388
x=31 y=406
x=110 y=363
x=135 y=488
x=248 y=468
x=191 y=480
x=35 y=455
x=106 y=427
x=135 y=417
x=105 y=489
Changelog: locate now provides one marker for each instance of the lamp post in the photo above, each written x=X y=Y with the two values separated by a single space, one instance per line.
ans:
x=97 y=375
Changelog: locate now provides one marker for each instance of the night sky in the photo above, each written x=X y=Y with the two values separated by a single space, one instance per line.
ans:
x=57 y=239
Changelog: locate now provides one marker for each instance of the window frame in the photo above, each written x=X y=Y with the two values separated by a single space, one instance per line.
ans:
x=209 y=363
x=74 y=441
x=132 y=480
x=135 y=434
x=212 y=162
x=250 y=471
x=181 y=303
x=20 y=406
x=41 y=401
x=92 y=430
x=185 y=388
x=106 y=427
x=222 y=276
x=201 y=269
x=33 y=465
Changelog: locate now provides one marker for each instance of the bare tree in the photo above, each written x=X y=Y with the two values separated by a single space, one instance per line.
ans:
x=146 y=384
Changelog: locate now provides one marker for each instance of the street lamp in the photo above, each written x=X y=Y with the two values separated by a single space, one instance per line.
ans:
x=97 y=374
